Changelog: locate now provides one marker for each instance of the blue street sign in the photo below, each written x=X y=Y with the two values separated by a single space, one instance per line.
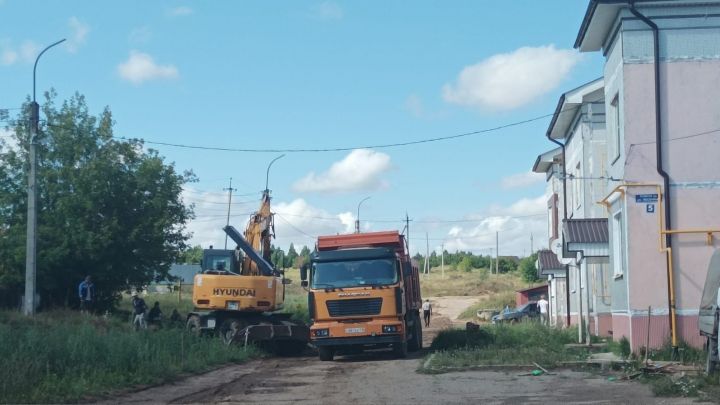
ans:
x=646 y=198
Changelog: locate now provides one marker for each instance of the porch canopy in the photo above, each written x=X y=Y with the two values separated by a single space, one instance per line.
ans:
x=588 y=236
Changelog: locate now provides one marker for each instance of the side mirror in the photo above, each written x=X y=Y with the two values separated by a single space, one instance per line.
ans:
x=303 y=272
x=304 y=283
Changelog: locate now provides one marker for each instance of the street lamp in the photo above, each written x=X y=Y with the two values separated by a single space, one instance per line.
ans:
x=31 y=248
x=267 y=174
x=357 y=221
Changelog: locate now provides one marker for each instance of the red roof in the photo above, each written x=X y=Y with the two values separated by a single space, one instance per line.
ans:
x=540 y=287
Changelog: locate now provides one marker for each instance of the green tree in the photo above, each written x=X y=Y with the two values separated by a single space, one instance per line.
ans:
x=291 y=256
x=191 y=255
x=528 y=270
x=107 y=208
x=465 y=264
x=277 y=256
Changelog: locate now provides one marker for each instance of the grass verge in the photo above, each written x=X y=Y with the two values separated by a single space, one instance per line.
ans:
x=501 y=345
x=64 y=356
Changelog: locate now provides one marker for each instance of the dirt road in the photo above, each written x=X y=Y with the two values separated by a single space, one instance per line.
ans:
x=377 y=378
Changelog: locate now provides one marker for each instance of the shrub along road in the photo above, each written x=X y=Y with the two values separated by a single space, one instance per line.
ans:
x=378 y=378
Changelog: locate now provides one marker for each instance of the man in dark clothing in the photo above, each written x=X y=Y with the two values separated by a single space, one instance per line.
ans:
x=139 y=308
x=155 y=315
x=86 y=293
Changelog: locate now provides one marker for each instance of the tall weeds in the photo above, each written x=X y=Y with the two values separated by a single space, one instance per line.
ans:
x=65 y=356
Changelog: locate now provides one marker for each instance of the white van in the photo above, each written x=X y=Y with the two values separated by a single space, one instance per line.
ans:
x=709 y=312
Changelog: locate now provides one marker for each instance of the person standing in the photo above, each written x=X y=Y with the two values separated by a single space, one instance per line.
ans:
x=543 y=307
x=427 y=312
x=139 y=308
x=86 y=293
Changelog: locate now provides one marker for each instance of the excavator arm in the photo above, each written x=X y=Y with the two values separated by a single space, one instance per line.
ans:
x=258 y=234
x=264 y=267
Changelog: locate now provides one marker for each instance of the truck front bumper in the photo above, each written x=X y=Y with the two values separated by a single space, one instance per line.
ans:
x=358 y=341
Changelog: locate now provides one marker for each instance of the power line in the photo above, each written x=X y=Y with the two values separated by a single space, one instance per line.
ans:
x=295 y=228
x=343 y=149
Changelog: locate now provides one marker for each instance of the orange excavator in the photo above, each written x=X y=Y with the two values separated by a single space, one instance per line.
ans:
x=239 y=294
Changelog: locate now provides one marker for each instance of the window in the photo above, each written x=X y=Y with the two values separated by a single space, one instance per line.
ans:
x=614 y=133
x=618 y=240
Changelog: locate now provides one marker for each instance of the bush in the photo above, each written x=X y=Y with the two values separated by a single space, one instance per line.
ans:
x=456 y=339
x=502 y=345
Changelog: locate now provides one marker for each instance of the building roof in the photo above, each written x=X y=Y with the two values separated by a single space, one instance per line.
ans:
x=544 y=162
x=540 y=287
x=601 y=15
x=548 y=261
x=184 y=272
x=587 y=230
x=570 y=102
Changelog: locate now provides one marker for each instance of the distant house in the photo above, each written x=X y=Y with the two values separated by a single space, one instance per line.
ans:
x=179 y=273
x=531 y=294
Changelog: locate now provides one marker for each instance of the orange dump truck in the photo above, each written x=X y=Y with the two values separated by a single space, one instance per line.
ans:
x=364 y=293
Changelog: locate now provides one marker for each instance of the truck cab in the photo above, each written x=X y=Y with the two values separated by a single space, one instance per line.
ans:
x=364 y=293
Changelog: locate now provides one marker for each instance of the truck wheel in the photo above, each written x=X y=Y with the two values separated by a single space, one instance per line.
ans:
x=230 y=329
x=415 y=343
x=326 y=353
x=712 y=356
x=400 y=350
x=193 y=325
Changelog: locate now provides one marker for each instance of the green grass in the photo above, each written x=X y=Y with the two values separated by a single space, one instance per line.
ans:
x=501 y=345
x=476 y=282
x=64 y=356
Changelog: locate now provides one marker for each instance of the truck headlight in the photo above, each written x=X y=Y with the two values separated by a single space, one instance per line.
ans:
x=321 y=333
x=390 y=328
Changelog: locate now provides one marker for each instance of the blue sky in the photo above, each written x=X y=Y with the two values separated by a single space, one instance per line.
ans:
x=324 y=74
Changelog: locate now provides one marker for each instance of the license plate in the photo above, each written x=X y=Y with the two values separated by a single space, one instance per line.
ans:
x=232 y=305
x=211 y=323
x=354 y=330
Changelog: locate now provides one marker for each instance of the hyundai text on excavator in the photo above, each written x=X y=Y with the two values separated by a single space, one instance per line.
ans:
x=364 y=293
x=238 y=296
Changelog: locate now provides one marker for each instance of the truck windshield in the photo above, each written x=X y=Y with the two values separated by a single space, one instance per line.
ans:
x=354 y=273
x=217 y=262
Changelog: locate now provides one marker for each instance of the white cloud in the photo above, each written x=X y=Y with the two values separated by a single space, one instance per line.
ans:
x=11 y=54
x=78 y=34
x=140 y=35
x=295 y=222
x=514 y=224
x=141 y=67
x=521 y=180
x=180 y=11
x=360 y=170
x=329 y=10
x=7 y=140
x=510 y=80
x=28 y=51
x=8 y=56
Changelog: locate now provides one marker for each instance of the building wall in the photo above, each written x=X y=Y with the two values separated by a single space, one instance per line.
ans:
x=690 y=84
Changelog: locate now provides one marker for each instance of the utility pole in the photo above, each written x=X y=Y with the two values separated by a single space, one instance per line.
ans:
x=442 y=260
x=532 y=250
x=230 y=190
x=427 y=254
x=407 y=226
x=497 y=253
x=31 y=239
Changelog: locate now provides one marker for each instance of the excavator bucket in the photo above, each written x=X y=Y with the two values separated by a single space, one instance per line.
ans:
x=284 y=337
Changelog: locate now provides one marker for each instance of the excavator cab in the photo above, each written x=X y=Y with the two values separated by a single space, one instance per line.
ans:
x=220 y=261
